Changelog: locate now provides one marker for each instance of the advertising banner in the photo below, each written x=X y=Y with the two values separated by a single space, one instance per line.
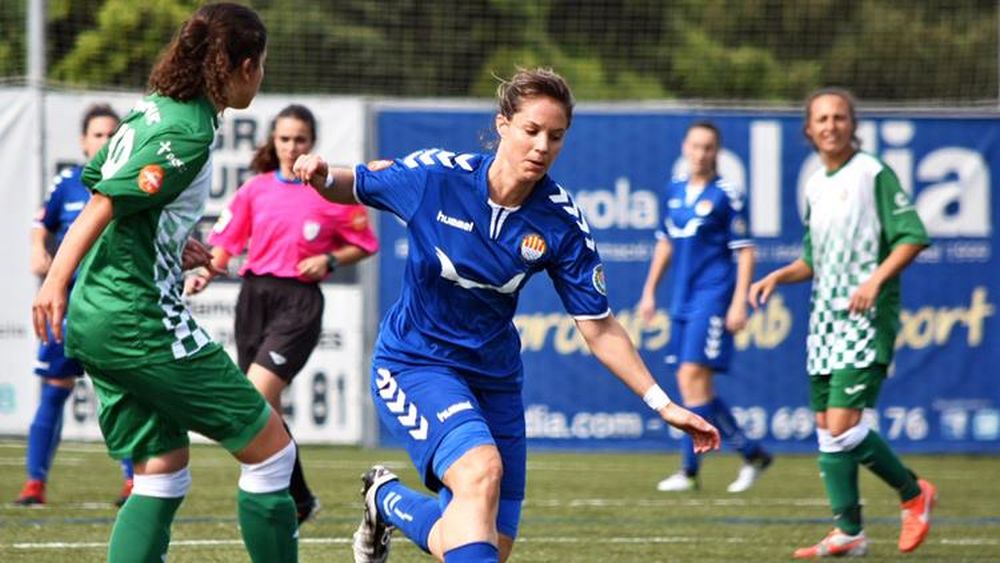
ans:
x=941 y=394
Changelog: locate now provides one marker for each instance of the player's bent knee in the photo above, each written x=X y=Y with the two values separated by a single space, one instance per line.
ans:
x=272 y=474
x=162 y=485
x=478 y=473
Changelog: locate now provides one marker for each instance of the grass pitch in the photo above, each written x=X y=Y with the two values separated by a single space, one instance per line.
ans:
x=581 y=507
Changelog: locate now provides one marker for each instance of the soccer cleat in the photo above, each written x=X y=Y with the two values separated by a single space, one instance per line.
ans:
x=126 y=492
x=835 y=544
x=917 y=517
x=750 y=472
x=307 y=510
x=678 y=482
x=371 y=539
x=33 y=494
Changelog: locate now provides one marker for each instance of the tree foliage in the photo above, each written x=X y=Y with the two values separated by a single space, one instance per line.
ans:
x=892 y=50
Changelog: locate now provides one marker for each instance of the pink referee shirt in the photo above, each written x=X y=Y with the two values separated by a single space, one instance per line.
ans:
x=284 y=221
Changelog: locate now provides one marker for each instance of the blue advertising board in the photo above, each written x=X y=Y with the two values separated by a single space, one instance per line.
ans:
x=941 y=394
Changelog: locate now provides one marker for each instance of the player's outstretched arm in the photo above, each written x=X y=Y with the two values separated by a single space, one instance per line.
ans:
x=612 y=346
x=335 y=184
x=761 y=290
x=50 y=301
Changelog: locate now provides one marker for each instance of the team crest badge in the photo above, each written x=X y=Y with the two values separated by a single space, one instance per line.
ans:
x=600 y=283
x=533 y=247
x=310 y=230
x=150 y=179
x=703 y=208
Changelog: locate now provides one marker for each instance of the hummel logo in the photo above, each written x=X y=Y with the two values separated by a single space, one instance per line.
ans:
x=854 y=389
x=457 y=407
x=453 y=222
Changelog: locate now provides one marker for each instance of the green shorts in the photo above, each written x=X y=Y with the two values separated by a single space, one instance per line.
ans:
x=850 y=388
x=147 y=411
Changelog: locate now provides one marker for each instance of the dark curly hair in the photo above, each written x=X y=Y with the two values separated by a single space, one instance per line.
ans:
x=206 y=50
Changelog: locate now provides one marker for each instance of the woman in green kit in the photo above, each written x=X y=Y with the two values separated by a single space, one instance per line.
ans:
x=861 y=232
x=158 y=374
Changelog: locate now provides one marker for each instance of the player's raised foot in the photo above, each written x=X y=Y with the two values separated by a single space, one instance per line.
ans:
x=307 y=510
x=32 y=494
x=835 y=544
x=371 y=539
x=750 y=472
x=917 y=517
x=126 y=492
x=678 y=482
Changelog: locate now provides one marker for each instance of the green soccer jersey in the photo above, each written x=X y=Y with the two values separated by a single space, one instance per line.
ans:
x=127 y=305
x=855 y=216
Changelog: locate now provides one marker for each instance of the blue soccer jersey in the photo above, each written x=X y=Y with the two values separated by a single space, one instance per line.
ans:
x=67 y=198
x=469 y=257
x=704 y=227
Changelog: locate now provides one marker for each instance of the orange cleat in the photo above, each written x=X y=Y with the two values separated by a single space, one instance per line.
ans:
x=32 y=494
x=835 y=544
x=126 y=491
x=917 y=517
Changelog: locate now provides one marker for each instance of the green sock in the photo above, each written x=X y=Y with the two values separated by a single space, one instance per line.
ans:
x=142 y=529
x=269 y=526
x=840 y=475
x=874 y=453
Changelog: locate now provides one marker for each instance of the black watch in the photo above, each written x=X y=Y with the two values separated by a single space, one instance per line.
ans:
x=331 y=262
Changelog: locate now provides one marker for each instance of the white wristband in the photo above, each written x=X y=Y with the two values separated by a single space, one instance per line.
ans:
x=330 y=178
x=656 y=398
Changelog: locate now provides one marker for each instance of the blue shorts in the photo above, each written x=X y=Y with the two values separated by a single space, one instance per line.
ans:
x=439 y=417
x=701 y=339
x=52 y=361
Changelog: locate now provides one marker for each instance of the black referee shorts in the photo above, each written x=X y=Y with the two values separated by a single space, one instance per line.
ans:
x=278 y=323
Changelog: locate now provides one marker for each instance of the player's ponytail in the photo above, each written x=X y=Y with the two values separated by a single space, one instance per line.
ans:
x=206 y=50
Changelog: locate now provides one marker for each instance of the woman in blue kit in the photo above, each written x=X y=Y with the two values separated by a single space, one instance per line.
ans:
x=703 y=232
x=447 y=372
x=64 y=202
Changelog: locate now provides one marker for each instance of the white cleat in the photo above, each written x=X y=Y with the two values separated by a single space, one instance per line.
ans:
x=749 y=473
x=678 y=482
x=371 y=539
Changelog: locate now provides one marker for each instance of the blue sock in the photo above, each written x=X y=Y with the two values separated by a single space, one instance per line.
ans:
x=46 y=429
x=479 y=552
x=128 y=472
x=731 y=431
x=412 y=512
x=689 y=460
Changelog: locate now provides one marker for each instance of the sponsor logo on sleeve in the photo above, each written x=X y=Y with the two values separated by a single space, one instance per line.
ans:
x=359 y=219
x=150 y=179
x=739 y=227
x=533 y=247
x=600 y=284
